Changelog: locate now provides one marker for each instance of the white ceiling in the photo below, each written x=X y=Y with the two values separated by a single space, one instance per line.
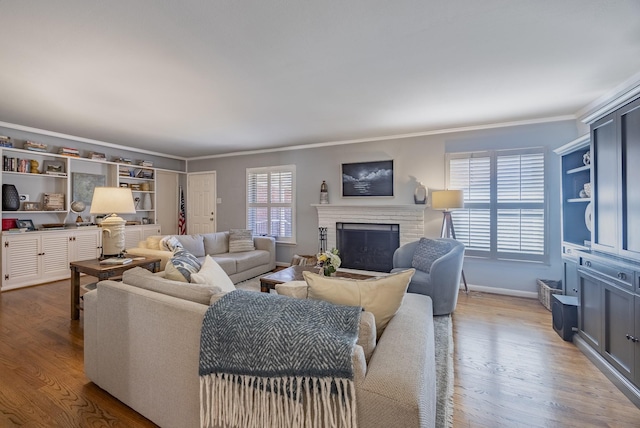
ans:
x=193 y=78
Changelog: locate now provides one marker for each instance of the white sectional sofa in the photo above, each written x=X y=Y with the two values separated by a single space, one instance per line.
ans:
x=141 y=345
x=239 y=265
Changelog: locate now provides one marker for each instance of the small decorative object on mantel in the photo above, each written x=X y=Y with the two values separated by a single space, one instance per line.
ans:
x=324 y=193
x=329 y=261
x=586 y=158
x=420 y=194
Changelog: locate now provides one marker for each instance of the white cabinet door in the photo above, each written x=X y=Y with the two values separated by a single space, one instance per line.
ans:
x=20 y=260
x=86 y=245
x=150 y=230
x=56 y=249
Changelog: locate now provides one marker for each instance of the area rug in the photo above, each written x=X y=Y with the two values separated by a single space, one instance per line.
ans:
x=444 y=361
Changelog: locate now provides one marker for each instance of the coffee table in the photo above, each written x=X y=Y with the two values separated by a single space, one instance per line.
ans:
x=102 y=272
x=294 y=273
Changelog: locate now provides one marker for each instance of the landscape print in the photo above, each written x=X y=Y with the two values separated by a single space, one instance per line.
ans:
x=367 y=178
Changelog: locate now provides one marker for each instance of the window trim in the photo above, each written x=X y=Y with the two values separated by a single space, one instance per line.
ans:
x=269 y=170
x=493 y=205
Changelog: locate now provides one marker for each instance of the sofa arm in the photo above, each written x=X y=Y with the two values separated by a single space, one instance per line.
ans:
x=164 y=256
x=399 y=389
x=266 y=243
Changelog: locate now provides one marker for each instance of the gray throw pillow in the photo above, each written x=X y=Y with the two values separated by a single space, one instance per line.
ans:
x=427 y=252
x=181 y=266
x=240 y=240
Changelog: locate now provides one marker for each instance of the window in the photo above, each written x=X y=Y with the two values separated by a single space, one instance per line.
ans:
x=505 y=203
x=271 y=202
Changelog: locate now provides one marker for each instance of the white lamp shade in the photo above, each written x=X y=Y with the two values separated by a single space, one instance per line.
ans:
x=447 y=199
x=109 y=200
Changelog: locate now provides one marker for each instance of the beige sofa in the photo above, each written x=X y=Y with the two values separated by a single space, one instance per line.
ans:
x=142 y=347
x=239 y=266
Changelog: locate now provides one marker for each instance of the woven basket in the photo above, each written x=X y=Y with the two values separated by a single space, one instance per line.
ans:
x=546 y=288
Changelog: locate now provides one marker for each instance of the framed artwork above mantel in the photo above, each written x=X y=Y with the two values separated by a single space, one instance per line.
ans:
x=367 y=179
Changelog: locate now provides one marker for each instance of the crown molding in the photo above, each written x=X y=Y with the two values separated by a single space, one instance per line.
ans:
x=86 y=140
x=617 y=97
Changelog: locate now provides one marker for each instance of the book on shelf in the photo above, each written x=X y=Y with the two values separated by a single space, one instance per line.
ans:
x=116 y=261
x=18 y=229
x=97 y=155
x=36 y=147
x=57 y=173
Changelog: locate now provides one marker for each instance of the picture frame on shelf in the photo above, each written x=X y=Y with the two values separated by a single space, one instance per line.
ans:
x=145 y=220
x=31 y=206
x=25 y=224
x=367 y=179
x=53 y=202
x=53 y=167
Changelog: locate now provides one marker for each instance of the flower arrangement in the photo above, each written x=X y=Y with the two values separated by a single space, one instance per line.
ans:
x=329 y=261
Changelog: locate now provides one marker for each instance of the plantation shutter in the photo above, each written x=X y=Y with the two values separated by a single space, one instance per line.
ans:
x=270 y=202
x=504 y=213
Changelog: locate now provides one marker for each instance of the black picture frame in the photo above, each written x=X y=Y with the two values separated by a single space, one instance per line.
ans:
x=367 y=179
x=53 y=166
x=28 y=224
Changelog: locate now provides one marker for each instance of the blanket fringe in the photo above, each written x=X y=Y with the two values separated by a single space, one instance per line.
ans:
x=288 y=402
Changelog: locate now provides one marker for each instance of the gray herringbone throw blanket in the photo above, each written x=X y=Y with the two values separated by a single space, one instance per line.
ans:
x=273 y=361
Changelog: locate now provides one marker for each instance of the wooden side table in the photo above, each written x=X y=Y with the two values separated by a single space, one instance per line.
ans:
x=102 y=272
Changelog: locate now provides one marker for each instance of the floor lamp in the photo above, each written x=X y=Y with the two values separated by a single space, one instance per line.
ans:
x=446 y=200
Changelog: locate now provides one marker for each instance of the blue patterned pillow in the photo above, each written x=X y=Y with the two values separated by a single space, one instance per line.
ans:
x=427 y=252
x=181 y=266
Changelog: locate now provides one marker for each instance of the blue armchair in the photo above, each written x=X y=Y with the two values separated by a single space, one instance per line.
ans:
x=442 y=282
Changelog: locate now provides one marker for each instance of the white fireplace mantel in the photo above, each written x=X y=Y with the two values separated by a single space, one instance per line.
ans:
x=409 y=217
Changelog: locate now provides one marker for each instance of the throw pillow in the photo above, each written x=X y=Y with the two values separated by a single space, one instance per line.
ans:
x=169 y=243
x=212 y=274
x=240 y=240
x=380 y=296
x=181 y=266
x=153 y=242
x=427 y=252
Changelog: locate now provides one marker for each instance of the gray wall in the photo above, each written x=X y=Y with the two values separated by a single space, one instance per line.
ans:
x=415 y=159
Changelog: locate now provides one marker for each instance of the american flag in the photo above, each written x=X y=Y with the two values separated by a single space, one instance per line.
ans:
x=182 y=220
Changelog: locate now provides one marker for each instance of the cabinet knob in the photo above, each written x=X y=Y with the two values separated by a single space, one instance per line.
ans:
x=587 y=263
x=622 y=275
x=575 y=290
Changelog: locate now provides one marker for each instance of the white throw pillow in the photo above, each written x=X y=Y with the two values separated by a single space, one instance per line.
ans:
x=212 y=274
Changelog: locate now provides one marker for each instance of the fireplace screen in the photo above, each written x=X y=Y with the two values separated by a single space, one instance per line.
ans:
x=367 y=246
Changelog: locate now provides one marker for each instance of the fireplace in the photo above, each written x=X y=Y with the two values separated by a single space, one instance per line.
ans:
x=367 y=246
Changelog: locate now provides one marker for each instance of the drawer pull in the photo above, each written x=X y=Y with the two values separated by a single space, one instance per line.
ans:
x=587 y=263
x=632 y=338
x=622 y=276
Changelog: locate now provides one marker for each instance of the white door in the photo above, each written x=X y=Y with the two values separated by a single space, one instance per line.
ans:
x=201 y=203
x=167 y=203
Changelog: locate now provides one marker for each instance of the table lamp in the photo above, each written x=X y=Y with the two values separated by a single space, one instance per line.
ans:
x=112 y=201
x=446 y=200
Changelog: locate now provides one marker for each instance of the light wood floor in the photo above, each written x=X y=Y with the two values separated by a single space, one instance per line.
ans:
x=511 y=369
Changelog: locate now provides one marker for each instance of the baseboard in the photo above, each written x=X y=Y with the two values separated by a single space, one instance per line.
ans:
x=503 y=291
x=621 y=382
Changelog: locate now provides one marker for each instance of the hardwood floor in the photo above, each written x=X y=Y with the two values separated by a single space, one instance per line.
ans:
x=511 y=369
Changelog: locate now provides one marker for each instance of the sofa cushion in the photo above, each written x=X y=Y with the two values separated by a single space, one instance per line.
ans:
x=212 y=274
x=216 y=243
x=295 y=289
x=427 y=252
x=192 y=243
x=227 y=264
x=240 y=240
x=380 y=296
x=250 y=259
x=181 y=265
x=142 y=278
